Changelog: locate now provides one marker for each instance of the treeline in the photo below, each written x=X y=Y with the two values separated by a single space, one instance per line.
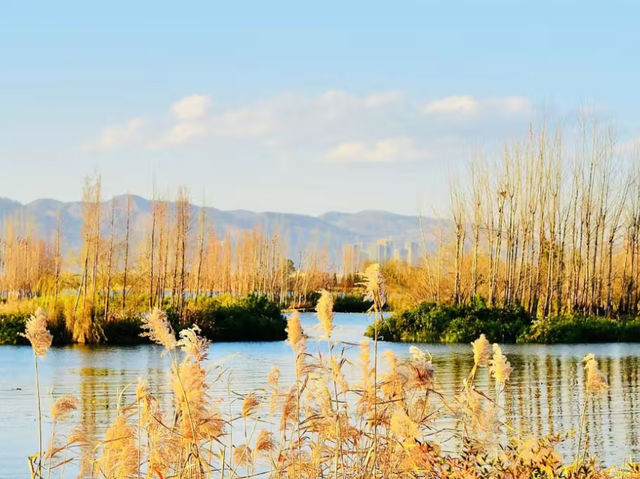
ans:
x=172 y=259
x=553 y=229
x=559 y=229
x=28 y=263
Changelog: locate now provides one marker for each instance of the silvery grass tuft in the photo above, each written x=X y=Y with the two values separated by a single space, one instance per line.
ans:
x=38 y=335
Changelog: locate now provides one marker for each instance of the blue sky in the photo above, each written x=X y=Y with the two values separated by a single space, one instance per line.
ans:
x=293 y=106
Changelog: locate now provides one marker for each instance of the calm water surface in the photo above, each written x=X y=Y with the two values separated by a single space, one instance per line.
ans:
x=544 y=395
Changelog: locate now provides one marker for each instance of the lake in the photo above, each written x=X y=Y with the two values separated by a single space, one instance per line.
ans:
x=544 y=395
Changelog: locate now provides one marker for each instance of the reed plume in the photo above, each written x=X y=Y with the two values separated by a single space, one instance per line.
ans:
x=499 y=366
x=421 y=369
x=119 y=458
x=375 y=291
x=242 y=455
x=193 y=345
x=63 y=406
x=264 y=442
x=250 y=405
x=403 y=427
x=294 y=332
x=481 y=351
x=365 y=371
x=595 y=382
x=374 y=284
x=324 y=309
x=38 y=335
x=273 y=381
x=157 y=328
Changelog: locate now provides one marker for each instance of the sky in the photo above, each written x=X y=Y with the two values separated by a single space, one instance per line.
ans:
x=302 y=107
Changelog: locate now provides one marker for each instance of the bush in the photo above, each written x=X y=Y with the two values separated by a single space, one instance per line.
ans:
x=582 y=329
x=433 y=323
x=123 y=332
x=225 y=318
x=11 y=325
x=351 y=303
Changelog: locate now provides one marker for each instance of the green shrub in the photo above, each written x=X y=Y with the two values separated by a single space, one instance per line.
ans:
x=582 y=329
x=431 y=322
x=351 y=303
x=11 y=326
x=123 y=332
x=254 y=318
x=222 y=318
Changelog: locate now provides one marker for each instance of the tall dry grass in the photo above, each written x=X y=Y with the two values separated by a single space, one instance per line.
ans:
x=384 y=424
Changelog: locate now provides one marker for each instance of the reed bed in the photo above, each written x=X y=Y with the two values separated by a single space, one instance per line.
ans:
x=384 y=424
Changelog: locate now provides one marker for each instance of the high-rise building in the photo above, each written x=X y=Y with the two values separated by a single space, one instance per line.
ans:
x=352 y=258
x=384 y=250
x=413 y=252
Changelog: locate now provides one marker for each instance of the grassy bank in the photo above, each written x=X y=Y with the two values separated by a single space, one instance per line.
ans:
x=222 y=318
x=438 y=323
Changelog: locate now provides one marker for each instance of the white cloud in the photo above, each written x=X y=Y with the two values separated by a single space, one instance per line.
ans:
x=467 y=105
x=338 y=99
x=117 y=135
x=192 y=107
x=464 y=105
x=382 y=127
x=182 y=133
x=510 y=105
x=294 y=119
x=248 y=122
x=391 y=150
x=383 y=99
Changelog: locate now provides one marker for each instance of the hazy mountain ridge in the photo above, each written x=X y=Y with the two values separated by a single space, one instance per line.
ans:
x=333 y=229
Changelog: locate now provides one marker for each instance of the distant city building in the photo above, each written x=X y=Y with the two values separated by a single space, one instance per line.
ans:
x=413 y=252
x=352 y=258
x=384 y=250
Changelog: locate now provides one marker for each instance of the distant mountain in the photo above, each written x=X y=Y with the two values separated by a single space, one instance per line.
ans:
x=333 y=229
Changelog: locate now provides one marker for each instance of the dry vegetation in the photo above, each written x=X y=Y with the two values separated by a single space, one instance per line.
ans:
x=383 y=424
x=172 y=261
x=553 y=228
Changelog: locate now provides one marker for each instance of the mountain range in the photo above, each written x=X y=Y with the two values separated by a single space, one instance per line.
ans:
x=333 y=229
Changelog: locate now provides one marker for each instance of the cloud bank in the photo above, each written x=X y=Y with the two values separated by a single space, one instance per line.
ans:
x=336 y=127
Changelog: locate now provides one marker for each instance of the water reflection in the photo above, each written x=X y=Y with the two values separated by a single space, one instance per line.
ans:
x=544 y=396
